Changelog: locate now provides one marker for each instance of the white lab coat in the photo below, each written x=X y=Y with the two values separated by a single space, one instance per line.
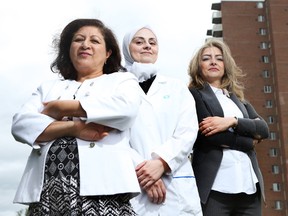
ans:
x=167 y=127
x=108 y=166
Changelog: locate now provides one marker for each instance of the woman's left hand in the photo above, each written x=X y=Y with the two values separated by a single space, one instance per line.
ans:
x=157 y=192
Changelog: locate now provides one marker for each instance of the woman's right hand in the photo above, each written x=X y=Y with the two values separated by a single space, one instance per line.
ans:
x=75 y=128
x=156 y=192
x=215 y=124
x=90 y=131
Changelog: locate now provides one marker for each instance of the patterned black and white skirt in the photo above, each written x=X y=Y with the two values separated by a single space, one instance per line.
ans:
x=60 y=194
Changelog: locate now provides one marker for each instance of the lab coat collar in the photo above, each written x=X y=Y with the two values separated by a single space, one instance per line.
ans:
x=157 y=84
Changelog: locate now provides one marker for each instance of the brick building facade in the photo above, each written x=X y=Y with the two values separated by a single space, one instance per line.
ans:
x=257 y=34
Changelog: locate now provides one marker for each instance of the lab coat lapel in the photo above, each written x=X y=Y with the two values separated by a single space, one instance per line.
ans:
x=156 y=85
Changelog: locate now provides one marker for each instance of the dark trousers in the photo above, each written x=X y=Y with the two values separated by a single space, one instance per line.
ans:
x=241 y=204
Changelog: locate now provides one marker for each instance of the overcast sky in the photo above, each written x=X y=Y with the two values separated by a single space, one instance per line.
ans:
x=27 y=30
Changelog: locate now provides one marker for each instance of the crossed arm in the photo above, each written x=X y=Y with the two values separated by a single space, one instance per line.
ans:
x=61 y=109
x=213 y=130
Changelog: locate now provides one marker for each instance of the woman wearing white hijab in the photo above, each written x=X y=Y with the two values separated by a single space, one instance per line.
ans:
x=163 y=134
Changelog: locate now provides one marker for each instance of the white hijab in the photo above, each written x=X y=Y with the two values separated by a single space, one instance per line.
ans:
x=142 y=71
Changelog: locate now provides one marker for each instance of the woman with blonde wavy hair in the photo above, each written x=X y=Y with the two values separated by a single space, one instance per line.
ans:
x=224 y=159
x=232 y=71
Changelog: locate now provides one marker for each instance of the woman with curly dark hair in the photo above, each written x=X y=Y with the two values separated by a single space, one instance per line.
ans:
x=78 y=127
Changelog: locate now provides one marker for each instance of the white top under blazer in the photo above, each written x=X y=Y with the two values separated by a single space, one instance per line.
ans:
x=107 y=166
x=235 y=174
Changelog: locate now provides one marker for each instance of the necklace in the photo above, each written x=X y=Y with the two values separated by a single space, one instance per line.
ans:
x=70 y=118
x=75 y=93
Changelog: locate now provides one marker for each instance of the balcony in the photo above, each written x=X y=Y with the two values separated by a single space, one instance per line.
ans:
x=217 y=30
x=217 y=17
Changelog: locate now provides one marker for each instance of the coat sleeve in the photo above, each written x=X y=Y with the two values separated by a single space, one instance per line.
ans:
x=28 y=123
x=254 y=126
x=117 y=106
x=179 y=144
x=227 y=138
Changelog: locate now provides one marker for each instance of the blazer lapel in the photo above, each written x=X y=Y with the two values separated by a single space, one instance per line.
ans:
x=211 y=101
x=213 y=104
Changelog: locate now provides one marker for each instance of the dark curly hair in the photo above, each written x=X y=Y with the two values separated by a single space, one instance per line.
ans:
x=62 y=63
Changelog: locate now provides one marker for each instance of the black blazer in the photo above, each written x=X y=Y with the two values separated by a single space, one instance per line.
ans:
x=207 y=151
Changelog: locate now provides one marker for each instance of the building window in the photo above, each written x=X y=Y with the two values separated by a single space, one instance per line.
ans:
x=270 y=120
x=262 y=31
x=273 y=152
x=272 y=136
x=264 y=45
x=261 y=18
x=278 y=205
x=259 y=5
x=269 y=104
x=276 y=187
x=265 y=59
x=265 y=73
x=275 y=169
x=267 y=89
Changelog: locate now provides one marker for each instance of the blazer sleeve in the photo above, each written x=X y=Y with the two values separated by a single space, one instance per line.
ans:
x=232 y=140
x=254 y=126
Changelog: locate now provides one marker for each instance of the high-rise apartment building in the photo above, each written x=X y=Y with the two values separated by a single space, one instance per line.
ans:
x=257 y=34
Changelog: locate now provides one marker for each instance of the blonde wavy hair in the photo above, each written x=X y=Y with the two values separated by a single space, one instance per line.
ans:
x=232 y=72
